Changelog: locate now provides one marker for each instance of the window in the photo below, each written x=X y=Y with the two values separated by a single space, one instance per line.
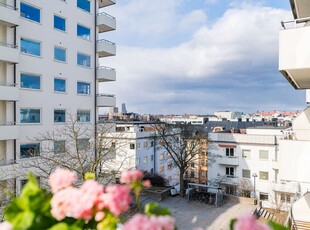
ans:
x=202 y=162
x=285 y=198
x=83 y=32
x=152 y=157
x=144 y=160
x=230 y=152
x=246 y=153
x=230 y=171
x=161 y=156
x=202 y=173
x=83 y=115
x=162 y=168
x=192 y=164
x=145 y=144
x=83 y=144
x=29 y=81
x=152 y=143
x=59 y=85
x=263 y=196
x=30 y=12
x=138 y=161
x=192 y=174
x=169 y=166
x=59 y=115
x=29 y=150
x=59 y=23
x=138 y=145
x=263 y=175
x=246 y=173
x=132 y=146
x=30 y=47
x=59 y=147
x=83 y=60
x=30 y=116
x=23 y=183
x=263 y=154
x=83 y=88
x=60 y=54
x=84 y=5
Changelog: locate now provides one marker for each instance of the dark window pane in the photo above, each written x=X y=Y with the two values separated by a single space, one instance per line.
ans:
x=30 y=81
x=59 y=85
x=59 y=23
x=29 y=12
x=84 y=4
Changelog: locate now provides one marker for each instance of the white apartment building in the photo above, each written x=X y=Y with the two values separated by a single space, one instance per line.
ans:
x=137 y=147
x=49 y=68
x=243 y=159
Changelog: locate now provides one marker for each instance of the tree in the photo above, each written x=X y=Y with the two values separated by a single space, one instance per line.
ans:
x=183 y=145
x=75 y=146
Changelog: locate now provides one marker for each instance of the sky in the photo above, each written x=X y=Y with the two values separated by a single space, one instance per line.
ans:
x=199 y=56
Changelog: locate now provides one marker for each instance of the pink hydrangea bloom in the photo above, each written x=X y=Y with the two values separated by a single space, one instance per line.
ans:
x=131 y=176
x=142 y=222
x=85 y=200
x=6 y=226
x=146 y=183
x=61 y=178
x=116 y=199
x=249 y=222
x=62 y=203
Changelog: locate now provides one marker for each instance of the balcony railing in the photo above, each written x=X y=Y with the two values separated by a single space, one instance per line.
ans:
x=8 y=45
x=105 y=41
x=300 y=22
x=105 y=73
x=228 y=160
x=108 y=15
x=8 y=6
x=105 y=48
x=105 y=95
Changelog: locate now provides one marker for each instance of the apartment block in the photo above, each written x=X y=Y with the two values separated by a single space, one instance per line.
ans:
x=49 y=69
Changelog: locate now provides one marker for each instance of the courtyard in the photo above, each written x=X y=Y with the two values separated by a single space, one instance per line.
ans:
x=189 y=215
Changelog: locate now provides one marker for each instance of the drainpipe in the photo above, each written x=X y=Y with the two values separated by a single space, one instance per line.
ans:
x=154 y=150
x=95 y=86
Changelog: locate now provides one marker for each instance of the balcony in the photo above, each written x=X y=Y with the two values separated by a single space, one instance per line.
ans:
x=8 y=92
x=9 y=15
x=106 y=48
x=105 y=22
x=9 y=53
x=105 y=74
x=106 y=100
x=8 y=131
x=288 y=187
x=228 y=160
x=294 y=62
x=104 y=3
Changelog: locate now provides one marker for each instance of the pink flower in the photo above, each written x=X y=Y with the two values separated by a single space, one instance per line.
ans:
x=85 y=200
x=6 y=226
x=61 y=178
x=249 y=222
x=131 y=176
x=142 y=222
x=146 y=183
x=116 y=199
x=62 y=203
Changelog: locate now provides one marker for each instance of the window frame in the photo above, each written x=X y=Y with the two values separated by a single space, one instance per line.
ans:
x=85 y=55
x=230 y=152
x=32 y=123
x=33 y=147
x=79 y=7
x=248 y=171
x=261 y=177
x=65 y=23
x=34 y=41
x=231 y=172
x=63 y=49
x=31 y=75
x=28 y=18
x=62 y=150
x=83 y=110
x=65 y=80
x=244 y=155
x=83 y=82
x=261 y=152
x=84 y=27
x=57 y=122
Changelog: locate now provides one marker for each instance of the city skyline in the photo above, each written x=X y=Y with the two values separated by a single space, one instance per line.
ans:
x=184 y=57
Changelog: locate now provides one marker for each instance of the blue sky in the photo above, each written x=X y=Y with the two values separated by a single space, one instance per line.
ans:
x=199 y=56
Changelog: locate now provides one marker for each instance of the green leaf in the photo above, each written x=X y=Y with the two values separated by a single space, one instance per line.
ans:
x=89 y=176
x=22 y=220
x=109 y=222
x=31 y=187
x=276 y=226
x=60 y=226
x=232 y=223
x=155 y=209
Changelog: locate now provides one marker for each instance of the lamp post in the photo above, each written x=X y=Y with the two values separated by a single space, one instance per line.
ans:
x=255 y=199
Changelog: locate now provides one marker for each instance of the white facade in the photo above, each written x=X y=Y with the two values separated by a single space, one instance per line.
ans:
x=143 y=151
x=228 y=115
x=49 y=68
x=240 y=156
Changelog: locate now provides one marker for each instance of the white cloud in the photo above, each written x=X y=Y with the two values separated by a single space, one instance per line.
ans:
x=240 y=48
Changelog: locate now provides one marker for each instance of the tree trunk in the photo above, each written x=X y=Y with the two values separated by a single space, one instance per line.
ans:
x=181 y=184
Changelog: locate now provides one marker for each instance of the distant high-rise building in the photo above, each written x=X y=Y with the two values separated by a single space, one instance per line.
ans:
x=124 y=110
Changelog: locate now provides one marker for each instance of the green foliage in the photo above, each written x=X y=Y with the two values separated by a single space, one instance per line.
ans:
x=31 y=210
x=232 y=223
x=276 y=226
x=89 y=176
x=155 y=209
